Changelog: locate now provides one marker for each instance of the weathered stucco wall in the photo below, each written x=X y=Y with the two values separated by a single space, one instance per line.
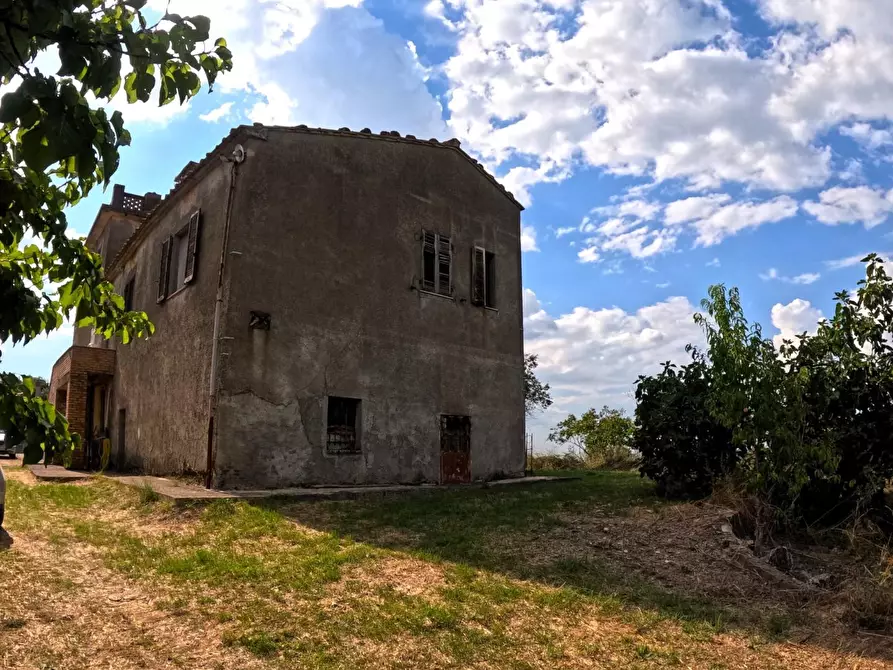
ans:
x=115 y=229
x=330 y=247
x=162 y=382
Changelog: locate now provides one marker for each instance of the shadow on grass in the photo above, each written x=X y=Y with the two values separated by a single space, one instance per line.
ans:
x=486 y=529
x=483 y=529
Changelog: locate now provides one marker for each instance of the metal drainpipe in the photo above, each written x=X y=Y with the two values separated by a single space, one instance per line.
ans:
x=238 y=156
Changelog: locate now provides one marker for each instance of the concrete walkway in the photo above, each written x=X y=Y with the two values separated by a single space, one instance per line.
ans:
x=56 y=473
x=183 y=493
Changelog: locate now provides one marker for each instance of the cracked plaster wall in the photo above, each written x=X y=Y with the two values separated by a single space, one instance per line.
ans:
x=328 y=243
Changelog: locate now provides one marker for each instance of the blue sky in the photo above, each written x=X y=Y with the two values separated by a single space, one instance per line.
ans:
x=660 y=146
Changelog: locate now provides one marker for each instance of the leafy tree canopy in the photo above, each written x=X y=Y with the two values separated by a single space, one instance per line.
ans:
x=55 y=147
x=604 y=436
x=537 y=396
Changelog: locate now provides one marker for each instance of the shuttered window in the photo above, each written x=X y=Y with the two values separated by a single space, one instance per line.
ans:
x=437 y=263
x=192 y=247
x=483 y=277
x=179 y=258
x=164 y=268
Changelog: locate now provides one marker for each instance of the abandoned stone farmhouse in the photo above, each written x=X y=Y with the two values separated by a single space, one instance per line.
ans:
x=331 y=307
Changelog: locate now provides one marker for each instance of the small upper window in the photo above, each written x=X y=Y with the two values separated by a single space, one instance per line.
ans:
x=483 y=280
x=179 y=254
x=437 y=263
x=129 y=288
x=342 y=429
x=179 y=251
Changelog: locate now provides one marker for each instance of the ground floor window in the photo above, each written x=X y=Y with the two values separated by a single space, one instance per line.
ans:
x=342 y=426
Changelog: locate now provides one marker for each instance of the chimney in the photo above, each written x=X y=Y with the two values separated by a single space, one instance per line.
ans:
x=118 y=196
x=150 y=201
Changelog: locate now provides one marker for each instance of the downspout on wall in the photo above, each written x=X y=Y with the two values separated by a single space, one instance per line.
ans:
x=236 y=159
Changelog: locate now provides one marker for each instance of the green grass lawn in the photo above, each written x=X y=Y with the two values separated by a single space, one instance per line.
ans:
x=435 y=579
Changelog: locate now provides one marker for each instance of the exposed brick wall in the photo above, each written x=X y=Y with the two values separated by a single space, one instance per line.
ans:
x=72 y=373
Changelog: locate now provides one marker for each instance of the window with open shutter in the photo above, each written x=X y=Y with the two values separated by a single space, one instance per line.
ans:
x=192 y=246
x=429 y=261
x=490 y=279
x=164 y=268
x=478 y=276
x=444 y=265
x=437 y=263
x=483 y=278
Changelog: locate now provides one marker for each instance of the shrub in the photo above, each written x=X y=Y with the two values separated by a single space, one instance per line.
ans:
x=567 y=461
x=683 y=449
x=807 y=426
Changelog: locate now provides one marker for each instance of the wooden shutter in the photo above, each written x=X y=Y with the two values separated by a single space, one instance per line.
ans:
x=165 y=268
x=444 y=265
x=478 y=276
x=192 y=248
x=429 y=261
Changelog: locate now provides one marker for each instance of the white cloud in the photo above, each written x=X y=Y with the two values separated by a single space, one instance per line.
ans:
x=852 y=205
x=527 y=79
x=802 y=279
x=714 y=263
x=806 y=278
x=639 y=210
x=865 y=133
x=849 y=261
x=863 y=17
x=321 y=62
x=641 y=242
x=592 y=357
x=561 y=232
x=663 y=284
x=629 y=86
x=730 y=219
x=852 y=171
x=218 y=113
x=518 y=180
x=690 y=209
x=589 y=255
x=528 y=239
x=798 y=316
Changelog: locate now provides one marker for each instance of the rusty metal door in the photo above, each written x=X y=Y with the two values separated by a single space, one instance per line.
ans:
x=455 y=449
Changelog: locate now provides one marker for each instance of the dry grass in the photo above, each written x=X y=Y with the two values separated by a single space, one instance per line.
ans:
x=99 y=578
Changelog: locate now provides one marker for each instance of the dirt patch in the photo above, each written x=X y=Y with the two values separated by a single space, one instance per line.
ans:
x=408 y=576
x=61 y=608
x=13 y=471
x=691 y=550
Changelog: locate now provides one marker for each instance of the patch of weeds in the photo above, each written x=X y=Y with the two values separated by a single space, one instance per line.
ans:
x=213 y=566
x=259 y=643
x=62 y=583
x=778 y=625
x=148 y=495
x=567 y=601
x=644 y=620
x=702 y=630
x=644 y=652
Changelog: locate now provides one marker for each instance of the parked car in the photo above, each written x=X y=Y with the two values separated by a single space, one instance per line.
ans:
x=7 y=449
